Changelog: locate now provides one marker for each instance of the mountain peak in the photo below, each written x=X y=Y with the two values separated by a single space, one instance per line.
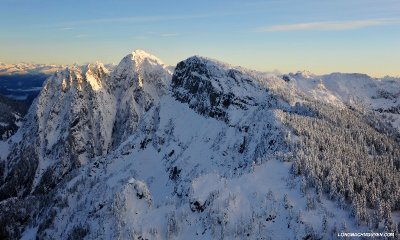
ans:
x=135 y=60
x=207 y=61
x=211 y=87
x=140 y=55
x=139 y=67
x=96 y=67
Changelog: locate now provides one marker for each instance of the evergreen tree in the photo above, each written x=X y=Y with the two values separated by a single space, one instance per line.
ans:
x=324 y=223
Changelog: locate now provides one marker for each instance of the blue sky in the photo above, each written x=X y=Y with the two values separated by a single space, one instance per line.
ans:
x=289 y=35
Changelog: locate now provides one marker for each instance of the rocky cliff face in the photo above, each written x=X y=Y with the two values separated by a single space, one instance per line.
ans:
x=210 y=87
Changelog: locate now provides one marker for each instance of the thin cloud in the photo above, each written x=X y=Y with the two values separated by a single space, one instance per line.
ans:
x=81 y=36
x=163 y=34
x=121 y=20
x=66 y=28
x=139 y=37
x=331 y=25
x=141 y=19
x=168 y=34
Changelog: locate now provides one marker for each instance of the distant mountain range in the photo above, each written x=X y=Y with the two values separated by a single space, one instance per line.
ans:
x=202 y=150
x=29 y=68
x=34 y=68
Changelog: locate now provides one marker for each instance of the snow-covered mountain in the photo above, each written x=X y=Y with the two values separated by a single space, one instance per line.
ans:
x=210 y=151
x=28 y=68
x=20 y=84
x=381 y=95
x=82 y=113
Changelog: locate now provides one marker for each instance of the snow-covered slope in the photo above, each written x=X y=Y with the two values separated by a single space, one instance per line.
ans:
x=211 y=175
x=381 y=95
x=211 y=152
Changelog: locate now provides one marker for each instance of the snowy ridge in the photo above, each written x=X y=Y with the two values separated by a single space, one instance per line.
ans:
x=381 y=95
